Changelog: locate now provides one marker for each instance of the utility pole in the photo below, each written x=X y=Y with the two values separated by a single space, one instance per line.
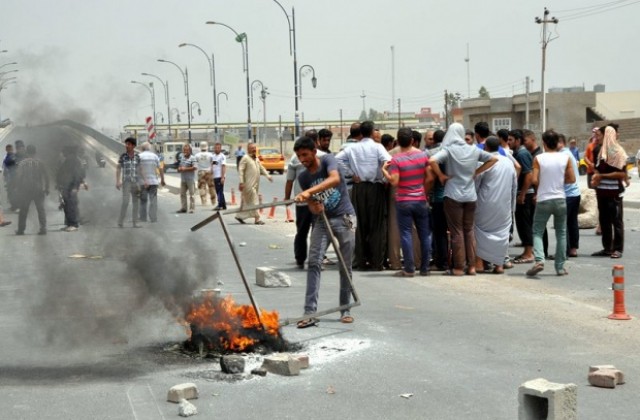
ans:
x=341 y=128
x=446 y=109
x=526 y=105
x=364 y=108
x=545 y=40
x=399 y=113
x=393 y=78
x=468 y=73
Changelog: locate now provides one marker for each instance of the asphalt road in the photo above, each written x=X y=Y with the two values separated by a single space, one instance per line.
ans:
x=86 y=337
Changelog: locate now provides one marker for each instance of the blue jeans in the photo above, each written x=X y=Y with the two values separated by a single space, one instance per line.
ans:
x=344 y=229
x=545 y=209
x=220 y=192
x=408 y=213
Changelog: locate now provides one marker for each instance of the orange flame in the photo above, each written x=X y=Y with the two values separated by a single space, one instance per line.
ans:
x=232 y=324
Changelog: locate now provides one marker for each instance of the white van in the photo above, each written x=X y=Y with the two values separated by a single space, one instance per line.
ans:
x=169 y=152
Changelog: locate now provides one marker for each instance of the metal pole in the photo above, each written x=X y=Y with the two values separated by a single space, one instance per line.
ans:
x=467 y=59
x=186 y=83
x=295 y=71
x=341 y=128
x=526 y=107
x=165 y=85
x=215 y=98
x=393 y=78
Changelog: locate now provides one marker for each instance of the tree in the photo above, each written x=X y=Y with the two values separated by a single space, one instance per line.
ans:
x=484 y=93
x=453 y=100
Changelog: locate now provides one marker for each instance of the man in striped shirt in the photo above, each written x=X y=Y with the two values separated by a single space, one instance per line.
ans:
x=409 y=172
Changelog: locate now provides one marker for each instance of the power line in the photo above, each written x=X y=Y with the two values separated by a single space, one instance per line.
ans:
x=596 y=11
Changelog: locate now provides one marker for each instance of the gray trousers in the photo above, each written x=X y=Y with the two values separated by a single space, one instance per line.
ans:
x=149 y=196
x=130 y=192
x=344 y=229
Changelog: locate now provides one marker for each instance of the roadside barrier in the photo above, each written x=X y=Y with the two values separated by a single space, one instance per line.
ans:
x=619 y=311
x=233 y=197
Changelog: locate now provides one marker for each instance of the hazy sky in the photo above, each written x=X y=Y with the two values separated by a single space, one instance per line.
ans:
x=81 y=55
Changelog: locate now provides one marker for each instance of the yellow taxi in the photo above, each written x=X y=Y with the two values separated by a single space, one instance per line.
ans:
x=271 y=159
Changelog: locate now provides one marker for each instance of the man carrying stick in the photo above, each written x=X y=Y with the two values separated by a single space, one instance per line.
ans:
x=325 y=190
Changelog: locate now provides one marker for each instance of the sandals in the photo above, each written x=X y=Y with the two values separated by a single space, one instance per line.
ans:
x=602 y=253
x=537 y=267
x=309 y=322
x=521 y=260
x=346 y=319
x=562 y=272
x=616 y=254
x=259 y=222
x=402 y=273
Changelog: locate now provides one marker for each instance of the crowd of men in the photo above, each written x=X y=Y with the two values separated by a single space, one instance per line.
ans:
x=449 y=205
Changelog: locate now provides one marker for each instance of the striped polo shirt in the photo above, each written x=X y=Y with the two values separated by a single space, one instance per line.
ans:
x=609 y=188
x=411 y=167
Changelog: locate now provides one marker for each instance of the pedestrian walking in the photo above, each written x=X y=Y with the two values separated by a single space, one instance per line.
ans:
x=149 y=171
x=205 y=176
x=32 y=185
x=219 y=172
x=249 y=171
x=187 y=167
x=70 y=177
x=127 y=180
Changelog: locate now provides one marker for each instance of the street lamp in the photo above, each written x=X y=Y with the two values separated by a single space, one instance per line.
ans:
x=161 y=116
x=314 y=80
x=152 y=92
x=165 y=85
x=177 y=111
x=3 y=85
x=7 y=64
x=263 y=96
x=212 y=69
x=292 y=51
x=218 y=98
x=244 y=41
x=197 y=104
x=185 y=77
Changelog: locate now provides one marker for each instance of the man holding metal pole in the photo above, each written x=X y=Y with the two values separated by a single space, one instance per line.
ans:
x=325 y=192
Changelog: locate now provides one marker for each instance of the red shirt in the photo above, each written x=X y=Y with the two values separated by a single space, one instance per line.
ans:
x=411 y=166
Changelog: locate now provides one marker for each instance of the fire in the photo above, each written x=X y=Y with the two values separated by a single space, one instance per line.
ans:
x=228 y=326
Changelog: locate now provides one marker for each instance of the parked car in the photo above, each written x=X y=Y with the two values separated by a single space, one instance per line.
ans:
x=271 y=159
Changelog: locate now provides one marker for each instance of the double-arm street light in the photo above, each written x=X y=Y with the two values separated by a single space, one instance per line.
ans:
x=166 y=98
x=152 y=92
x=244 y=41
x=212 y=69
x=314 y=80
x=292 y=51
x=185 y=77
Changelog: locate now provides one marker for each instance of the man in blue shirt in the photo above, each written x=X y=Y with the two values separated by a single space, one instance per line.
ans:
x=324 y=190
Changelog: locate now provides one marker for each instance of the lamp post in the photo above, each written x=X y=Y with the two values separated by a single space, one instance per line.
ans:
x=3 y=85
x=263 y=96
x=292 y=51
x=218 y=98
x=196 y=104
x=165 y=85
x=8 y=64
x=244 y=41
x=177 y=111
x=212 y=69
x=185 y=77
x=151 y=92
x=314 y=80
x=161 y=116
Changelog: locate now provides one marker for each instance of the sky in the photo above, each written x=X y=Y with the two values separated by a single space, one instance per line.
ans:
x=78 y=58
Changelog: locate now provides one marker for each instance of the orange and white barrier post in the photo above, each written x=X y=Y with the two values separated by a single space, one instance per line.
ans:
x=233 y=197
x=619 y=311
x=272 y=210
x=289 y=217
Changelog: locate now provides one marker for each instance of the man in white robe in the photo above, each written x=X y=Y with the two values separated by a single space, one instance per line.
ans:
x=496 y=189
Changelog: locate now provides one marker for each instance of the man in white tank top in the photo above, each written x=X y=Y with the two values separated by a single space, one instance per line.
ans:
x=551 y=170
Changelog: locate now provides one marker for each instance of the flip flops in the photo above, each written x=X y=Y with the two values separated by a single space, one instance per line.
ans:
x=346 y=319
x=521 y=260
x=537 y=267
x=309 y=322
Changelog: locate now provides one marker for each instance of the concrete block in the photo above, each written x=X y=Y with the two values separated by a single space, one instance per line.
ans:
x=541 y=399
x=186 y=409
x=232 y=364
x=282 y=364
x=619 y=374
x=603 y=378
x=259 y=371
x=186 y=391
x=303 y=359
x=269 y=277
x=588 y=212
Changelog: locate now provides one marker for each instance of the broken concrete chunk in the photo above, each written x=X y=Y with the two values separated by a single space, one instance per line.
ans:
x=593 y=368
x=187 y=391
x=268 y=277
x=186 y=409
x=259 y=371
x=541 y=399
x=232 y=364
x=603 y=378
x=282 y=364
x=303 y=359
x=619 y=374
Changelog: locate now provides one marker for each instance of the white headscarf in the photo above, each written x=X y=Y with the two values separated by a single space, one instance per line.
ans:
x=458 y=149
x=454 y=135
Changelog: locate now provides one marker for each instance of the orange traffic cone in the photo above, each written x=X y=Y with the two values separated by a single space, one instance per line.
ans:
x=289 y=216
x=260 y=202
x=619 y=311
x=233 y=197
x=272 y=210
